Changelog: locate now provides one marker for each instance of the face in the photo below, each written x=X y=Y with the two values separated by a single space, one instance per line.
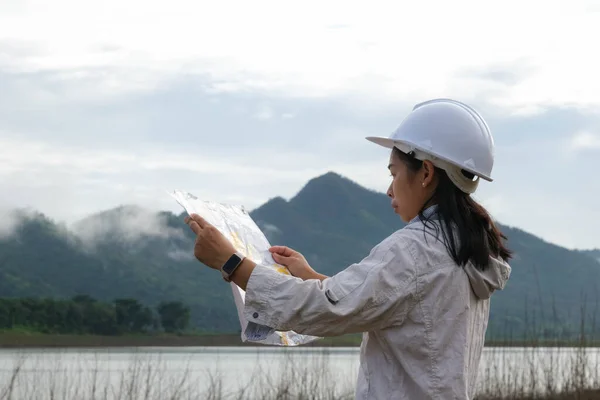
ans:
x=409 y=191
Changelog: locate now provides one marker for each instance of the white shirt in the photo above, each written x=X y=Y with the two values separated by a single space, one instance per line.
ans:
x=424 y=317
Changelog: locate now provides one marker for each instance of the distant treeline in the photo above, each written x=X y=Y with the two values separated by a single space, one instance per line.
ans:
x=85 y=315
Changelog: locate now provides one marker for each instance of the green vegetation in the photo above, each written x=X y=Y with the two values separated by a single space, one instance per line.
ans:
x=85 y=315
x=128 y=253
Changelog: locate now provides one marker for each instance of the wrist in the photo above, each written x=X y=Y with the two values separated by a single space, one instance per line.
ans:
x=224 y=257
x=312 y=274
x=321 y=277
x=230 y=264
x=242 y=273
x=316 y=275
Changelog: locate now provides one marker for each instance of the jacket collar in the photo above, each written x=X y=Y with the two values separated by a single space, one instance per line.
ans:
x=427 y=213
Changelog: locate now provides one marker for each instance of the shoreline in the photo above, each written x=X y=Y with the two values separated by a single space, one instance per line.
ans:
x=20 y=340
x=12 y=340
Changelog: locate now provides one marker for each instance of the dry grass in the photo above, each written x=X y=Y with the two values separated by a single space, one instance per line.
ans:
x=157 y=379
x=539 y=373
x=532 y=373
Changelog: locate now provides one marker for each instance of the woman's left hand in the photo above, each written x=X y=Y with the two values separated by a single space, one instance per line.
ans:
x=211 y=247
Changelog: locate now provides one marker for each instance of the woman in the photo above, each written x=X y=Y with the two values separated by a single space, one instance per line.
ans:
x=422 y=294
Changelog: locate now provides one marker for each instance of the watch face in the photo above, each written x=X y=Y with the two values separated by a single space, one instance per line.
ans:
x=230 y=265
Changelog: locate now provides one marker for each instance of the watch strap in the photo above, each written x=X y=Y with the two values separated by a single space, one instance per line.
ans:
x=231 y=265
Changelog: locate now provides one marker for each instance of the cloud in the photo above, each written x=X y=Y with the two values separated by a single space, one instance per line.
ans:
x=299 y=54
x=11 y=220
x=89 y=165
x=585 y=141
x=264 y=113
x=126 y=224
x=181 y=255
x=508 y=75
x=271 y=231
x=70 y=179
x=242 y=107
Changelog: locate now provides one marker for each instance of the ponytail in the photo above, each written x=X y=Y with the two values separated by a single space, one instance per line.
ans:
x=468 y=230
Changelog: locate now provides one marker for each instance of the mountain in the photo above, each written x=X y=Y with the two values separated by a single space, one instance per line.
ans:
x=593 y=253
x=332 y=220
x=132 y=252
x=335 y=222
x=127 y=252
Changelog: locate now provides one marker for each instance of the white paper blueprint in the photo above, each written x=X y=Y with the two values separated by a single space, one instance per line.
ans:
x=237 y=226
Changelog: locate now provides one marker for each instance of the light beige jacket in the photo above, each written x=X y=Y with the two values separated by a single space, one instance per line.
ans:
x=424 y=317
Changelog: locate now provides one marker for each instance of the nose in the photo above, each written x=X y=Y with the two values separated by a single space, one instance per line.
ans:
x=390 y=191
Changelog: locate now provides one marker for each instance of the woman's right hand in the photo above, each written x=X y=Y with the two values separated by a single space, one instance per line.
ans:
x=295 y=263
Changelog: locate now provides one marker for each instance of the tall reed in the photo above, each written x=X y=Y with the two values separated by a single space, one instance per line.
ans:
x=506 y=373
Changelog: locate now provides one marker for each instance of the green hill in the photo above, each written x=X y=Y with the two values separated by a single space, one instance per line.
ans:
x=107 y=261
x=131 y=252
x=594 y=253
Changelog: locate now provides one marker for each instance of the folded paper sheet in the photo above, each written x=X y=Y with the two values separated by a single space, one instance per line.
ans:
x=237 y=225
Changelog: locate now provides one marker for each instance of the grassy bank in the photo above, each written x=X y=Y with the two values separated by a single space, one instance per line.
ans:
x=581 y=395
x=30 y=339
x=21 y=339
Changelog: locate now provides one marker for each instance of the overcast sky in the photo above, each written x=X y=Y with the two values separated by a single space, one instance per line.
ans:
x=114 y=102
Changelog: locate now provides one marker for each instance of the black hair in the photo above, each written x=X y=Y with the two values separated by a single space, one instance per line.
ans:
x=475 y=237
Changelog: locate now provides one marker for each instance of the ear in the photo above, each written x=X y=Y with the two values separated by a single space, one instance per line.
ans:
x=428 y=173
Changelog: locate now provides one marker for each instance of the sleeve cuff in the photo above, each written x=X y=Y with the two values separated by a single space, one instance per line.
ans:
x=259 y=290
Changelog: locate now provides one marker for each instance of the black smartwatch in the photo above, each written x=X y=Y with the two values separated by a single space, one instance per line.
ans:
x=231 y=265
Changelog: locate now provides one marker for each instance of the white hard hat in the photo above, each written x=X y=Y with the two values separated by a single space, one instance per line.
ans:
x=451 y=135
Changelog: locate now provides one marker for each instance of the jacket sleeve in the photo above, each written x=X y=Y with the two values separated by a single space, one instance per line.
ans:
x=376 y=293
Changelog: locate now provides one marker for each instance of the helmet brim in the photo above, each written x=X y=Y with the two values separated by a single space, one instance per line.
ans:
x=391 y=143
x=382 y=141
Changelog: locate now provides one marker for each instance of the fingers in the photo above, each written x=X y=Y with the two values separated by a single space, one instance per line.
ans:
x=279 y=259
x=282 y=250
x=200 y=221
x=196 y=223
x=194 y=226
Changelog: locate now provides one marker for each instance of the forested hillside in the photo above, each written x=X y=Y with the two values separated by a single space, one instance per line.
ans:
x=132 y=253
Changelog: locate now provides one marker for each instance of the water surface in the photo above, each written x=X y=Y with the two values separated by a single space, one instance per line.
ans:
x=202 y=372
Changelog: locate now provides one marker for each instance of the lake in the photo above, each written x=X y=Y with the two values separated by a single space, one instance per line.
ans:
x=257 y=372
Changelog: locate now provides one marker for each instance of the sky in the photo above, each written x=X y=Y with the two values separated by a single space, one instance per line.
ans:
x=116 y=102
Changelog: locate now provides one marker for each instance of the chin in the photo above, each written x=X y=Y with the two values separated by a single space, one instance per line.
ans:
x=402 y=217
x=405 y=220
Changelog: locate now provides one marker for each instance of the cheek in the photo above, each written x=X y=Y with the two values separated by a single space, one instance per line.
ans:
x=404 y=193
x=400 y=188
x=404 y=198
